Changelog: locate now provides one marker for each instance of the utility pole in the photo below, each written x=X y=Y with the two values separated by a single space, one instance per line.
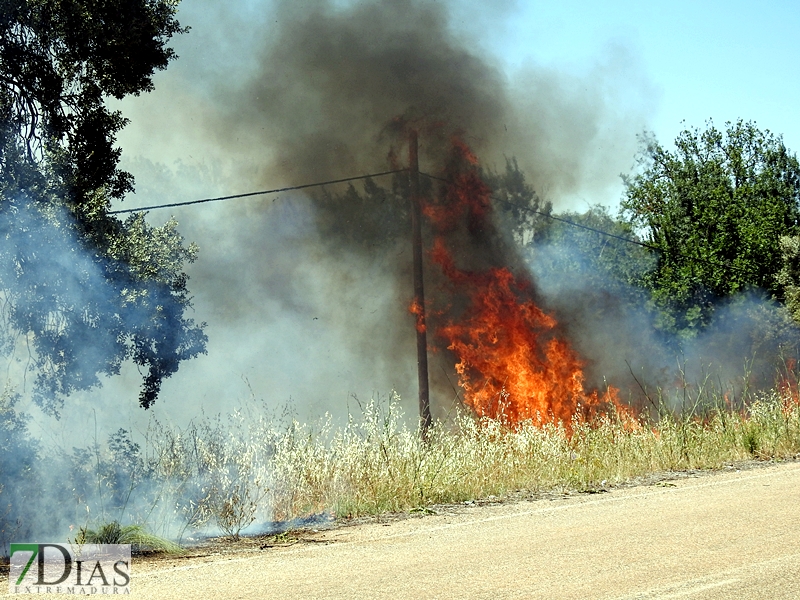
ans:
x=419 y=288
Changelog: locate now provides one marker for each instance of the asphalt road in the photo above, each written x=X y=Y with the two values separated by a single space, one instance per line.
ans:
x=731 y=535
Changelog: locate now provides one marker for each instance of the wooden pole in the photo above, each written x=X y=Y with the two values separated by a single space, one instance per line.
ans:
x=419 y=288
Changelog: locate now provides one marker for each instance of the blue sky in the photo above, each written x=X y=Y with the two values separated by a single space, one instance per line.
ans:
x=710 y=59
x=661 y=65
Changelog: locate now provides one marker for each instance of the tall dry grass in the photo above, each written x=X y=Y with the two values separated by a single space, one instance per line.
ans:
x=223 y=475
x=227 y=475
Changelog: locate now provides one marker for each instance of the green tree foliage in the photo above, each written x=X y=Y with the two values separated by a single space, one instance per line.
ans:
x=520 y=212
x=788 y=277
x=596 y=248
x=593 y=247
x=366 y=218
x=82 y=290
x=714 y=207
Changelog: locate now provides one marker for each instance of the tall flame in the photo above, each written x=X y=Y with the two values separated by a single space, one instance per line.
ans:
x=511 y=360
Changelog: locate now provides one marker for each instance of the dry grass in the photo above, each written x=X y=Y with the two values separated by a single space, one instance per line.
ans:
x=223 y=475
x=230 y=475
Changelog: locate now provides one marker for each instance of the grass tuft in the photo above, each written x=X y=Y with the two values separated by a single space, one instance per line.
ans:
x=136 y=535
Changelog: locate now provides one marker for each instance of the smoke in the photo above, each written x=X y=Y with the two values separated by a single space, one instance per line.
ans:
x=332 y=80
x=53 y=287
x=329 y=80
x=615 y=328
x=306 y=294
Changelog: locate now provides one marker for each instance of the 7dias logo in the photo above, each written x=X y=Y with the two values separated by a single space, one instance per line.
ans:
x=67 y=569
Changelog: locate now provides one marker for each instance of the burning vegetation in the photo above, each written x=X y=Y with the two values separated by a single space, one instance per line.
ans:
x=512 y=361
x=541 y=331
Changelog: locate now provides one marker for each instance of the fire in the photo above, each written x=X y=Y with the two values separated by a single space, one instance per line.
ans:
x=511 y=360
x=788 y=386
x=416 y=310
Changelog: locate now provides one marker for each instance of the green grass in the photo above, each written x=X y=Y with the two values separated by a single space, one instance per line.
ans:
x=136 y=535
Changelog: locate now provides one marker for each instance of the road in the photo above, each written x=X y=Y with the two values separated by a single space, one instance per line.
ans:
x=730 y=535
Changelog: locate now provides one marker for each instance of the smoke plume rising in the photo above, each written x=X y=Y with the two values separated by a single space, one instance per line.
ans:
x=311 y=94
x=307 y=294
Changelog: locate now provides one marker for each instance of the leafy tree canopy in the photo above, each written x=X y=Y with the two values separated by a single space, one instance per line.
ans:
x=82 y=290
x=520 y=212
x=595 y=247
x=715 y=208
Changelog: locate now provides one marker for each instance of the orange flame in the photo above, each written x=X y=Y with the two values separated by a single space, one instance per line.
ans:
x=788 y=386
x=511 y=361
x=416 y=309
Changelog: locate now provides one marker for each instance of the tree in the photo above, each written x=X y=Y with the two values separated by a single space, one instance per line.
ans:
x=789 y=275
x=519 y=211
x=594 y=248
x=591 y=250
x=19 y=476
x=714 y=208
x=82 y=290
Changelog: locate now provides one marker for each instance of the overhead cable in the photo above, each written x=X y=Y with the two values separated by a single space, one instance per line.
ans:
x=394 y=171
x=249 y=194
x=605 y=233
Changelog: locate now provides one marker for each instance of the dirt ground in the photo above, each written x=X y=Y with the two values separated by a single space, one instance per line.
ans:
x=729 y=534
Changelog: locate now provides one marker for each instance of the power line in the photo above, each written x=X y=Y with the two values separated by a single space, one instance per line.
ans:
x=261 y=193
x=392 y=172
x=554 y=218
x=605 y=233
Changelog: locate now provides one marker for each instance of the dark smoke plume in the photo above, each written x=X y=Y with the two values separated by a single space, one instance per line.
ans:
x=332 y=80
x=321 y=100
x=306 y=294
